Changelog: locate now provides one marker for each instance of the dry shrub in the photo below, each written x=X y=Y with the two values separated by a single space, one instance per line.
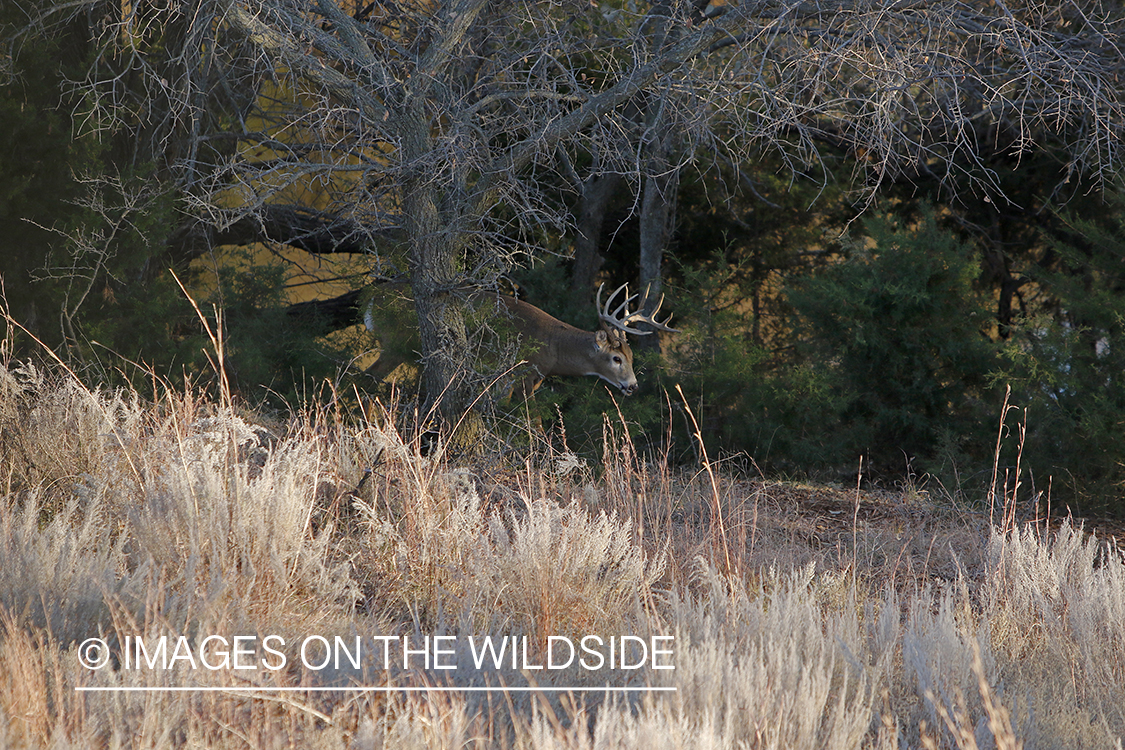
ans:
x=1055 y=611
x=565 y=571
x=553 y=569
x=442 y=720
x=767 y=670
x=223 y=511
x=882 y=624
x=57 y=437
x=25 y=690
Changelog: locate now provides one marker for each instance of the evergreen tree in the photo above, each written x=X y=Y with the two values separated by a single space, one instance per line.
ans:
x=1066 y=365
x=39 y=156
x=898 y=331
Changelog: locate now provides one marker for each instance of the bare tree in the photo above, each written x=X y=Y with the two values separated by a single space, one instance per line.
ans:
x=432 y=133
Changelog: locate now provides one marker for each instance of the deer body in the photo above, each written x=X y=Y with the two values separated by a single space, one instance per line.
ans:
x=561 y=349
x=557 y=348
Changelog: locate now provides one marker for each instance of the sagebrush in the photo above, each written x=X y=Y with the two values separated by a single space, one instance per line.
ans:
x=913 y=624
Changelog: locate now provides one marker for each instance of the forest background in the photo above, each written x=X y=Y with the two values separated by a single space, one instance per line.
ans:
x=836 y=301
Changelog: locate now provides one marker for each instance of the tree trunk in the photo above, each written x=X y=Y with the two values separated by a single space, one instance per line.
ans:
x=658 y=216
x=662 y=178
x=596 y=195
x=449 y=385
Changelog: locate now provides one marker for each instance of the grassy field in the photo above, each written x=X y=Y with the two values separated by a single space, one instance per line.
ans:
x=171 y=574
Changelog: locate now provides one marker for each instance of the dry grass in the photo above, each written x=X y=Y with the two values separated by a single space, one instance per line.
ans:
x=809 y=617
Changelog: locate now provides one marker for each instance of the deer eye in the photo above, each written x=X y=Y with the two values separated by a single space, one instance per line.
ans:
x=616 y=360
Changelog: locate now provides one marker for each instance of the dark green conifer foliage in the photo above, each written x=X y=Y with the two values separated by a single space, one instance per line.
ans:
x=81 y=235
x=1066 y=365
x=38 y=159
x=898 y=331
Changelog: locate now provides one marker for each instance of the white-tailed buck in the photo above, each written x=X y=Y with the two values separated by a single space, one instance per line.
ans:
x=562 y=349
x=557 y=348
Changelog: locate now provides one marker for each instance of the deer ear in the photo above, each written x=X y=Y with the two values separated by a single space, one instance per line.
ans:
x=601 y=338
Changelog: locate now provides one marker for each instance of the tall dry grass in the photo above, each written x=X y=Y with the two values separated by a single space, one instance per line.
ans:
x=807 y=618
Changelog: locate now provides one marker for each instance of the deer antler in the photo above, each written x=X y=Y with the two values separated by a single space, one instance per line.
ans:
x=621 y=322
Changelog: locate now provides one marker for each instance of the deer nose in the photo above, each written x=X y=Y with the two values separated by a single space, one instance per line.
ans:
x=629 y=389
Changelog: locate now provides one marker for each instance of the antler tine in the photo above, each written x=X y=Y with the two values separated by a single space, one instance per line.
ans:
x=652 y=321
x=621 y=323
x=614 y=318
x=624 y=305
x=651 y=317
x=603 y=312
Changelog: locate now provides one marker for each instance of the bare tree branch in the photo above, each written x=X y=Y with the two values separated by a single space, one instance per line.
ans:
x=445 y=124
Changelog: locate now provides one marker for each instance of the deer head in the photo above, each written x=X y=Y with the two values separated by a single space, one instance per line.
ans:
x=613 y=355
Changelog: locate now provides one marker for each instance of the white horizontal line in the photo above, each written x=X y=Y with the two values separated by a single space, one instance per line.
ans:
x=366 y=689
